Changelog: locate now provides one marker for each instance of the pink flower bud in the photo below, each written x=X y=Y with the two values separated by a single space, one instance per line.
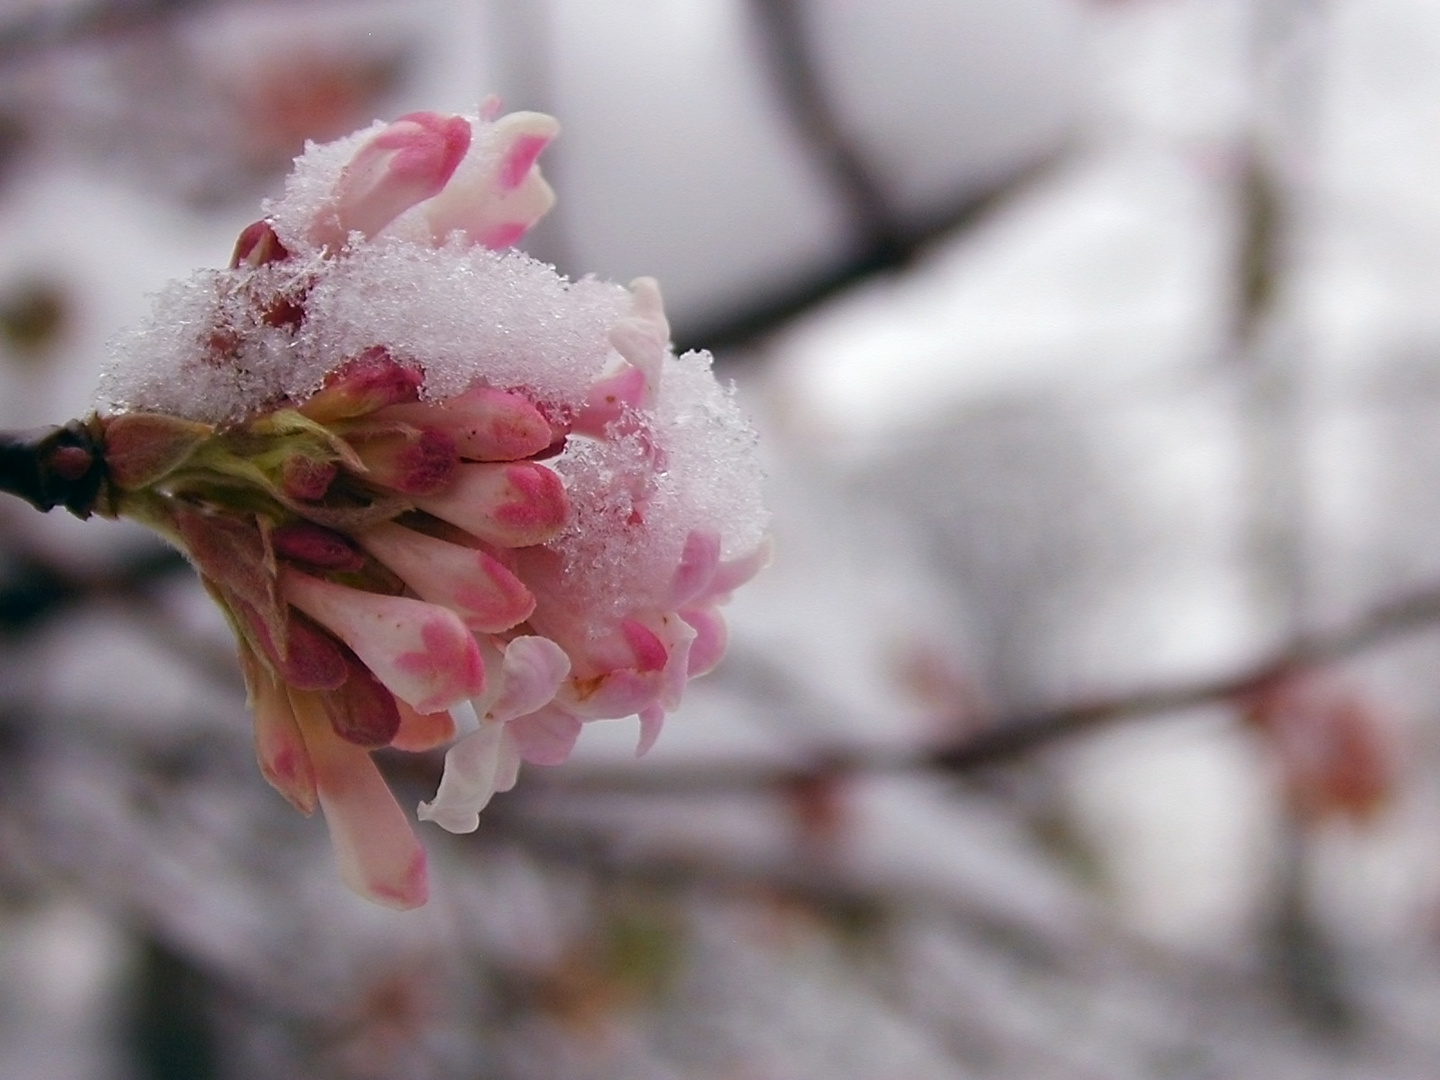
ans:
x=284 y=760
x=474 y=585
x=257 y=246
x=486 y=424
x=422 y=731
x=497 y=194
x=305 y=478
x=406 y=163
x=317 y=546
x=412 y=461
x=375 y=847
x=510 y=505
x=370 y=381
x=361 y=710
x=421 y=652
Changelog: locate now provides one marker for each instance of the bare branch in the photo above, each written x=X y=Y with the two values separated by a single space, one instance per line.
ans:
x=1009 y=739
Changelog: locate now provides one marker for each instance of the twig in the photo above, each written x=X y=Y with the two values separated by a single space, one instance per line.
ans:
x=1009 y=739
x=791 y=65
x=747 y=323
x=56 y=466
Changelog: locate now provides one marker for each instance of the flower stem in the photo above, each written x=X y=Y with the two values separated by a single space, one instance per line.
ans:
x=55 y=466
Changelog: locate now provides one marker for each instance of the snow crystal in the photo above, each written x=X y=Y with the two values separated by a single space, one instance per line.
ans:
x=465 y=313
x=460 y=314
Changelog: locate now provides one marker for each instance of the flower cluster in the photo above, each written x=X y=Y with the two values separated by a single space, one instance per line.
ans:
x=427 y=477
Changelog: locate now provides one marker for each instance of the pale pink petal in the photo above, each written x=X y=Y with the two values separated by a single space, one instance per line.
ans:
x=711 y=637
x=652 y=719
x=375 y=847
x=609 y=696
x=531 y=672
x=678 y=637
x=474 y=769
x=733 y=573
x=409 y=161
x=608 y=400
x=507 y=769
x=698 y=562
x=649 y=650
x=498 y=192
x=546 y=736
x=422 y=652
x=486 y=424
x=422 y=731
x=471 y=583
x=643 y=337
x=510 y=505
x=284 y=761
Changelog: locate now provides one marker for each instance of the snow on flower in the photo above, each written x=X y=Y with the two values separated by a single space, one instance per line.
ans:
x=420 y=470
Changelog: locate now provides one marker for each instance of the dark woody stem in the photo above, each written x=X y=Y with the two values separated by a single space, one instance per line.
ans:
x=55 y=466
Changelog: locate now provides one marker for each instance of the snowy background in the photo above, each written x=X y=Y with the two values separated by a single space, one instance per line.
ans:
x=1096 y=353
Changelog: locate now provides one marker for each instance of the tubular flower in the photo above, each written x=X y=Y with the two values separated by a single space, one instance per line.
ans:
x=430 y=481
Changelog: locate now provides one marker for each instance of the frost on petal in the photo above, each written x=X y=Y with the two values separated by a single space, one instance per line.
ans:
x=608 y=401
x=421 y=652
x=510 y=505
x=279 y=748
x=476 y=767
x=471 y=583
x=375 y=846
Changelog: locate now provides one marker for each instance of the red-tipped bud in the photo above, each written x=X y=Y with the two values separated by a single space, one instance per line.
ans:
x=314 y=545
x=408 y=162
x=514 y=505
x=257 y=246
x=412 y=461
x=371 y=381
x=486 y=424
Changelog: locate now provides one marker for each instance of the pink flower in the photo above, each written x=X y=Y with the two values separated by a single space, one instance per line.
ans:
x=418 y=471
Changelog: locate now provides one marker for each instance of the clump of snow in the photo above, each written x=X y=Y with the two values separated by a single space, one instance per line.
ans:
x=226 y=345
x=463 y=314
x=460 y=314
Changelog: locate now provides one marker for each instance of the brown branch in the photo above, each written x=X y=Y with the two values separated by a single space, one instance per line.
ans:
x=752 y=320
x=54 y=466
x=794 y=72
x=1010 y=739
